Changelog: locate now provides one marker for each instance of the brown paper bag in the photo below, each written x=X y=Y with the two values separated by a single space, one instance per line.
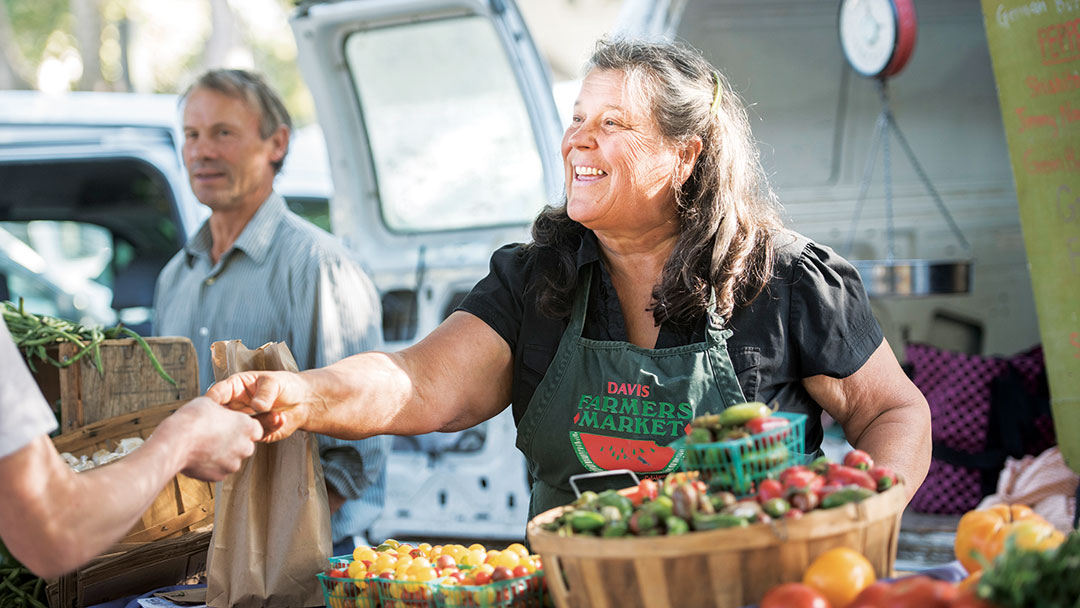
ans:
x=271 y=521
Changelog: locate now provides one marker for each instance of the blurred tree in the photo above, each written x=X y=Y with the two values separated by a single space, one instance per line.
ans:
x=15 y=70
x=86 y=15
x=224 y=38
x=86 y=45
x=25 y=30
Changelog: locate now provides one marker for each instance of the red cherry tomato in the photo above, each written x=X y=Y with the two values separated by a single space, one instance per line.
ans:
x=520 y=571
x=793 y=595
x=919 y=592
x=858 y=459
x=872 y=596
x=769 y=489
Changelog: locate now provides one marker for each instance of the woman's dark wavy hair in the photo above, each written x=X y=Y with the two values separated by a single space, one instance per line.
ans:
x=727 y=211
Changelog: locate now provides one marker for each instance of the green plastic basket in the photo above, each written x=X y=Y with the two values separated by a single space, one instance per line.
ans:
x=737 y=464
x=522 y=592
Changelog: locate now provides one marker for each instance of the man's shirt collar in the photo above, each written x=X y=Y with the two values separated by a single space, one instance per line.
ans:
x=256 y=238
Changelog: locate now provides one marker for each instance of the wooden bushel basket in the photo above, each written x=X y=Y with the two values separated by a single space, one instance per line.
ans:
x=128 y=382
x=183 y=504
x=719 y=568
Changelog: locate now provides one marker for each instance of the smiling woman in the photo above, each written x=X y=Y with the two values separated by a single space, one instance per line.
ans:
x=665 y=269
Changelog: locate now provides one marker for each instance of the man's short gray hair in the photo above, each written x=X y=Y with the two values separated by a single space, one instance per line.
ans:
x=253 y=89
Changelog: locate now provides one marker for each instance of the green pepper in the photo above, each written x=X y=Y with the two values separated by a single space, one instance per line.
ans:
x=614 y=499
x=819 y=465
x=776 y=507
x=717 y=521
x=661 y=506
x=583 y=521
x=699 y=435
x=846 y=495
x=642 y=521
x=615 y=529
x=721 y=500
x=676 y=525
x=587 y=499
x=611 y=513
x=744 y=412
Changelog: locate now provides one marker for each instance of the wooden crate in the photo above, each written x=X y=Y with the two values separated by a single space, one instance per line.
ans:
x=724 y=568
x=129 y=382
x=151 y=566
x=182 y=506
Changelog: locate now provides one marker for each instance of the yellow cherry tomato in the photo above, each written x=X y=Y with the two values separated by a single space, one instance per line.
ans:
x=519 y=549
x=363 y=553
x=506 y=559
x=840 y=574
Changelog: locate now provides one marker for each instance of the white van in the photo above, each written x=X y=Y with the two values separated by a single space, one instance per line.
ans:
x=95 y=200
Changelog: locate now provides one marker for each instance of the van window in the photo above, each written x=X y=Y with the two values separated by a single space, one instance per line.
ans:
x=448 y=128
x=84 y=238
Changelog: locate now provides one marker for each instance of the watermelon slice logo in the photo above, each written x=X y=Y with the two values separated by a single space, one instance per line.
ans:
x=604 y=453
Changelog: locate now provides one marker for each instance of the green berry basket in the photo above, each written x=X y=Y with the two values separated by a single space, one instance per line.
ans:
x=735 y=465
x=523 y=592
x=339 y=592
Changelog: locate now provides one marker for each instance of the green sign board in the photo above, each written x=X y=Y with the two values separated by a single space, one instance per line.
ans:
x=1035 y=48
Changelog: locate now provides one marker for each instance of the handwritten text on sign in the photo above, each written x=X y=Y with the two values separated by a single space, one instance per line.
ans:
x=1035 y=48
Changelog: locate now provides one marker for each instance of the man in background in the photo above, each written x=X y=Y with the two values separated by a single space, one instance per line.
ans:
x=257 y=272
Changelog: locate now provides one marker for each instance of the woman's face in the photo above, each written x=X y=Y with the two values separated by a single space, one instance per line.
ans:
x=619 y=170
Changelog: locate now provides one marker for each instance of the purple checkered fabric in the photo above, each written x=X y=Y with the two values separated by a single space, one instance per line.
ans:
x=957 y=387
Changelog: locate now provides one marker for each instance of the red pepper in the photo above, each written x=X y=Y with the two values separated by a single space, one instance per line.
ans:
x=843 y=475
x=769 y=489
x=803 y=481
x=884 y=477
x=790 y=471
x=858 y=459
x=649 y=488
x=829 y=488
x=768 y=423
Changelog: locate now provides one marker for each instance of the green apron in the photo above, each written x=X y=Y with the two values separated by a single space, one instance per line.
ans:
x=614 y=405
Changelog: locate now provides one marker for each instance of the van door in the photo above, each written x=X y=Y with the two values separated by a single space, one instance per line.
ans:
x=443 y=138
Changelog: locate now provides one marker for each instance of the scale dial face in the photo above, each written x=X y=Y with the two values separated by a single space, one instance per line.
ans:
x=877 y=35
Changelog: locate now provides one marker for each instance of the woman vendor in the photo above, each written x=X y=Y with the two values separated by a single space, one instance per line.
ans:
x=664 y=287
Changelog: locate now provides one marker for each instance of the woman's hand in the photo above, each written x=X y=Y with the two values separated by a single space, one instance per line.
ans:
x=278 y=400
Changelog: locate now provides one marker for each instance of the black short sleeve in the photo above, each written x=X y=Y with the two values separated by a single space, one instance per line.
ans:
x=833 y=327
x=498 y=299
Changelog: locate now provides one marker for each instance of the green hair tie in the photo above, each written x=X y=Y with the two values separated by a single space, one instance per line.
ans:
x=717 y=95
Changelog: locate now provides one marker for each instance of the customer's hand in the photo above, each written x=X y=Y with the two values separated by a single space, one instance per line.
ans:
x=217 y=440
x=277 y=398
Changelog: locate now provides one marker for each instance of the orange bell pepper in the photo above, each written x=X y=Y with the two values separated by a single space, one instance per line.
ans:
x=984 y=532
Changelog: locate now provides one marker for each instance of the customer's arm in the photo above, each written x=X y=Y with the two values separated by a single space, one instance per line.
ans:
x=882 y=413
x=53 y=519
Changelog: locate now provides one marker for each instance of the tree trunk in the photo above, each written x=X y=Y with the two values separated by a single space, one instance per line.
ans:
x=87 y=17
x=223 y=34
x=15 y=71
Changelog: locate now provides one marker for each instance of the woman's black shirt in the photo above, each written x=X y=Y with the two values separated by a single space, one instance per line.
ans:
x=812 y=318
